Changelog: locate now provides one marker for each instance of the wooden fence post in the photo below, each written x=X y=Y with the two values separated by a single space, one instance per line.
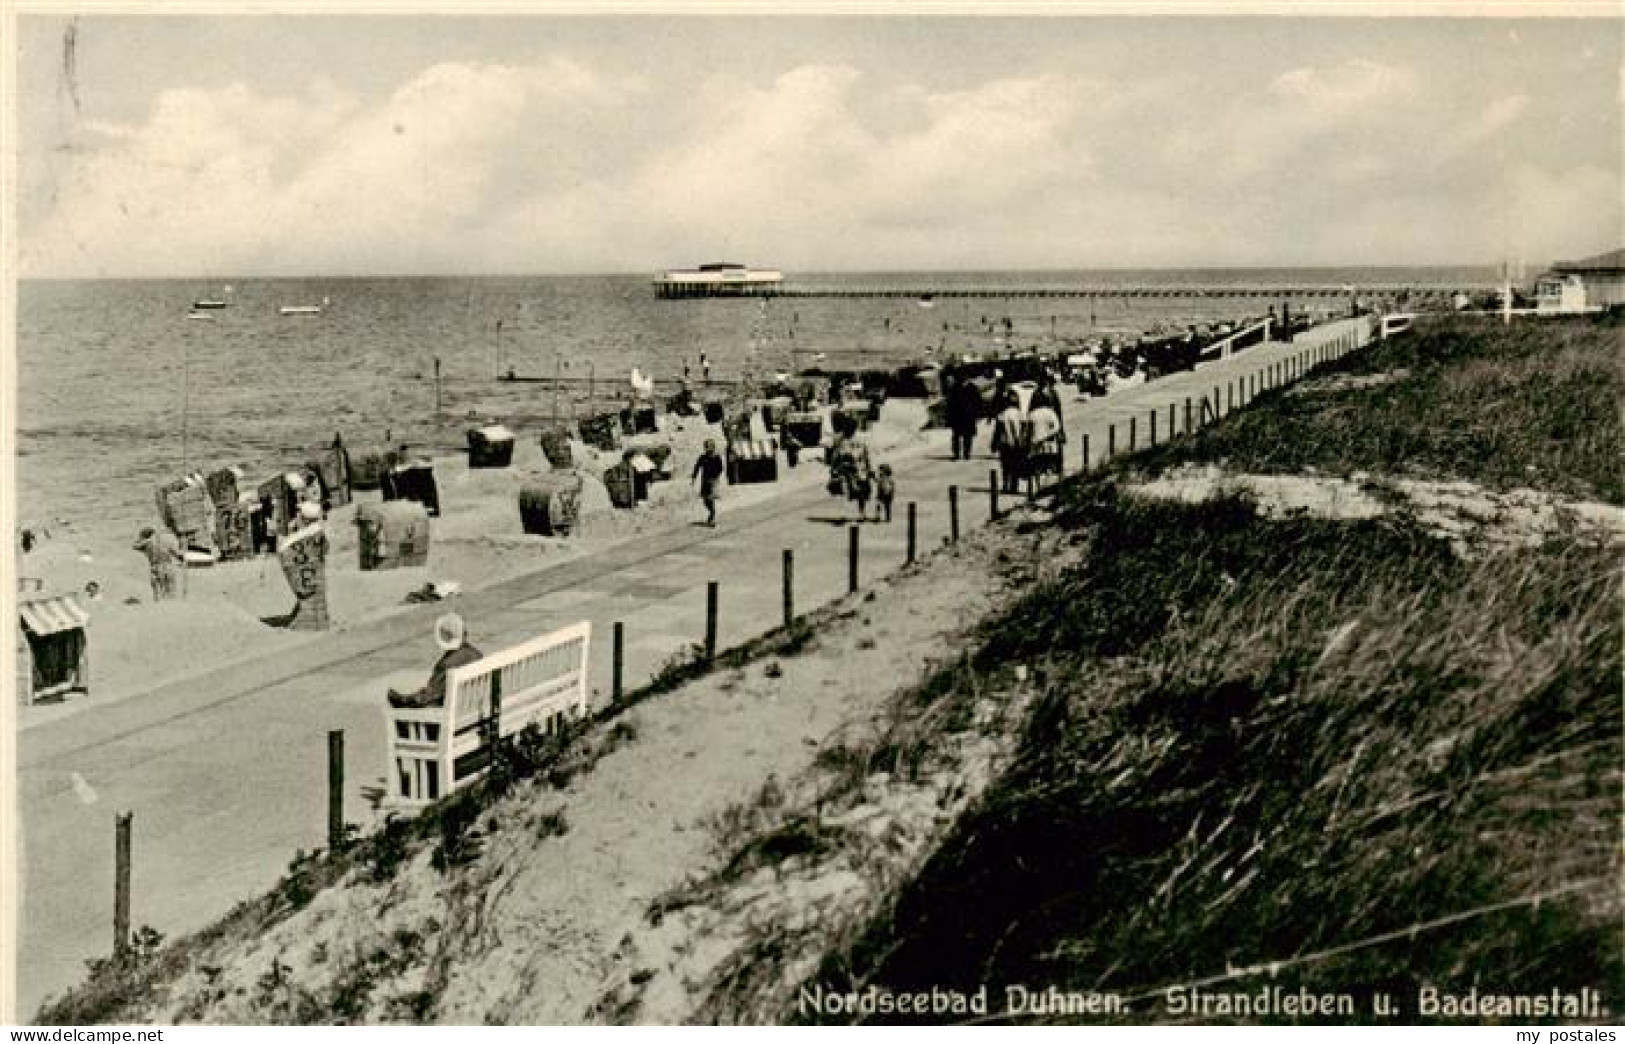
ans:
x=1131 y=438
x=121 y=883
x=1085 y=453
x=1111 y=441
x=852 y=559
x=335 y=790
x=1154 y=429
x=1173 y=422
x=993 y=496
x=617 y=676
x=789 y=587
x=953 y=514
x=1187 y=415
x=711 y=620
x=912 y=531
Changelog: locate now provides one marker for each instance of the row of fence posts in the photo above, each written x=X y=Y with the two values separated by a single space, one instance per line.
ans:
x=1246 y=388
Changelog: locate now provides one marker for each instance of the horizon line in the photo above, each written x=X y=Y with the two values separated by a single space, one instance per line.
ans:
x=655 y=274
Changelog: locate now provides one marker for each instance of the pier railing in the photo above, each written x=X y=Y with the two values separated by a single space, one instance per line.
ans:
x=1187 y=291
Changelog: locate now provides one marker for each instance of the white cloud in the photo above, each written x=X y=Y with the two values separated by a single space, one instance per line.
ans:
x=556 y=166
x=1351 y=85
x=233 y=180
x=1485 y=125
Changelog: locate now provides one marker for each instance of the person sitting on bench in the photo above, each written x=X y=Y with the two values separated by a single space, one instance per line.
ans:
x=451 y=635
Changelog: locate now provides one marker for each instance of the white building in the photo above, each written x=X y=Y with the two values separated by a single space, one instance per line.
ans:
x=1579 y=286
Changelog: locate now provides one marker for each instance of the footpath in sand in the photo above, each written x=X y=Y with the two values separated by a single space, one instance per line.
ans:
x=225 y=770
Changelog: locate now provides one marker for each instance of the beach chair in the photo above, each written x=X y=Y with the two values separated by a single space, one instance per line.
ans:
x=752 y=461
x=435 y=750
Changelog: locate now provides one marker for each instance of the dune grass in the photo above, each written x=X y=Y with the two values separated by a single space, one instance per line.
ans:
x=1267 y=739
x=1303 y=752
x=1533 y=405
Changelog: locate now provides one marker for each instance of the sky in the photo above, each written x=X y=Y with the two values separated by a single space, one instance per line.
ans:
x=174 y=145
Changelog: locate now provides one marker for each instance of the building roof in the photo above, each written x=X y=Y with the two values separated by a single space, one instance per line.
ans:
x=1613 y=261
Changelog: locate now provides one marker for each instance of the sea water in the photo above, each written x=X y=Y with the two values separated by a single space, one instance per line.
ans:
x=119 y=390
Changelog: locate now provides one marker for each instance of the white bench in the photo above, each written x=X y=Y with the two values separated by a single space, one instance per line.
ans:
x=435 y=750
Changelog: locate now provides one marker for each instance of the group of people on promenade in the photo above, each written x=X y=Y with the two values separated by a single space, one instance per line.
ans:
x=1028 y=440
x=854 y=475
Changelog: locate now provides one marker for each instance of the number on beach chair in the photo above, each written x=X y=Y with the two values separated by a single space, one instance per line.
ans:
x=435 y=750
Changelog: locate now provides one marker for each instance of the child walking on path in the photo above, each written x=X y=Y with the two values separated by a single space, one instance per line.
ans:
x=708 y=469
x=885 y=491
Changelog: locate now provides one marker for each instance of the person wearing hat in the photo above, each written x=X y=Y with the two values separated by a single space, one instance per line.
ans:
x=164 y=561
x=451 y=635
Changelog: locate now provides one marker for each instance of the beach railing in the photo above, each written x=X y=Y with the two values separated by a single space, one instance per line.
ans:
x=1224 y=346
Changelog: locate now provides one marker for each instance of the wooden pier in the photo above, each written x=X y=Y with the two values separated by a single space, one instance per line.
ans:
x=1164 y=291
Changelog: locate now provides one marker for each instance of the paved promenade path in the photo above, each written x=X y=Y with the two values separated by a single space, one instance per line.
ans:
x=226 y=773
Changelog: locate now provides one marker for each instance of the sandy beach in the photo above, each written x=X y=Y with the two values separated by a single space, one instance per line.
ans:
x=137 y=644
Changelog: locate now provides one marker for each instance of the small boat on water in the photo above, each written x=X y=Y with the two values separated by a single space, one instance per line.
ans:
x=310 y=309
x=207 y=302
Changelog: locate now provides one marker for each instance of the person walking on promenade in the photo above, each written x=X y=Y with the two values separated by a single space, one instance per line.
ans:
x=708 y=470
x=860 y=475
x=1047 y=394
x=1045 y=437
x=164 y=560
x=1010 y=442
x=964 y=411
x=885 y=492
x=849 y=468
x=451 y=634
